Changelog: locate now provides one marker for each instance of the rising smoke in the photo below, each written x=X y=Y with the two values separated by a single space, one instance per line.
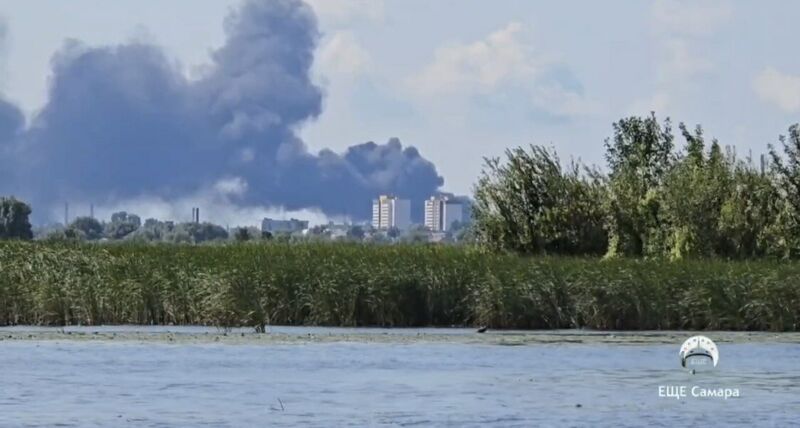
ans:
x=122 y=122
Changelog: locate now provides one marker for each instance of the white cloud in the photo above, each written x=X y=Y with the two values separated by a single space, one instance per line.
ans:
x=504 y=61
x=342 y=12
x=481 y=65
x=342 y=54
x=780 y=89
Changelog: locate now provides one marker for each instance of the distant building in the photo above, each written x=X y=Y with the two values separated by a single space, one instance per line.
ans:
x=283 y=226
x=391 y=212
x=441 y=213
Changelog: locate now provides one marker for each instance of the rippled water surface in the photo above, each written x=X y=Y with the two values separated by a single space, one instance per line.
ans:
x=108 y=383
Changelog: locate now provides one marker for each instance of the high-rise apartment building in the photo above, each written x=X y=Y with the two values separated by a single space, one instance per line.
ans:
x=391 y=212
x=441 y=213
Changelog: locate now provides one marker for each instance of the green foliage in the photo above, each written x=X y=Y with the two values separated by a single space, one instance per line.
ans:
x=242 y=234
x=199 y=232
x=750 y=214
x=356 y=233
x=86 y=228
x=257 y=284
x=166 y=231
x=122 y=224
x=787 y=171
x=14 y=223
x=639 y=157
x=693 y=195
x=530 y=204
x=656 y=202
x=417 y=234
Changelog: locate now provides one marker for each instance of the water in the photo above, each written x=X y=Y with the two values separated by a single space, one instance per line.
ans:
x=403 y=383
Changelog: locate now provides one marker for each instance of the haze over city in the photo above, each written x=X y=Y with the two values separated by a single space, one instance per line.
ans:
x=312 y=110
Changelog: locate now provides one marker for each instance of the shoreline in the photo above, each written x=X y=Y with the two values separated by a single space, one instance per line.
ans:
x=278 y=335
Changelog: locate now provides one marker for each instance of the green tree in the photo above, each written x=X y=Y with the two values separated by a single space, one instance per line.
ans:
x=788 y=173
x=355 y=233
x=531 y=204
x=242 y=234
x=200 y=232
x=122 y=224
x=753 y=216
x=393 y=232
x=89 y=227
x=14 y=222
x=416 y=234
x=152 y=231
x=694 y=192
x=639 y=156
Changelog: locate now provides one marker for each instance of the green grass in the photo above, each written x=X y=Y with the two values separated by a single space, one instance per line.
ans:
x=393 y=285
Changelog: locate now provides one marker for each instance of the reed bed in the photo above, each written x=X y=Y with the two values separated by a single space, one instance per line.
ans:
x=256 y=284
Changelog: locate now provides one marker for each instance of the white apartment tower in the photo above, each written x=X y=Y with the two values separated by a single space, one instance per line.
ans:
x=391 y=212
x=441 y=213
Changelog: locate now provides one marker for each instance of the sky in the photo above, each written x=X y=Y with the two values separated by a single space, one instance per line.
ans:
x=463 y=79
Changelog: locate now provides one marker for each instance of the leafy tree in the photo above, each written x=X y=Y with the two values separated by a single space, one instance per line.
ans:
x=788 y=172
x=201 y=232
x=694 y=192
x=64 y=235
x=393 y=232
x=122 y=224
x=90 y=228
x=531 y=204
x=153 y=231
x=751 y=216
x=242 y=234
x=466 y=235
x=639 y=156
x=356 y=233
x=14 y=222
x=416 y=234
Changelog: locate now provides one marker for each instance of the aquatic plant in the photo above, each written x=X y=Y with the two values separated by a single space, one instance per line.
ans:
x=258 y=284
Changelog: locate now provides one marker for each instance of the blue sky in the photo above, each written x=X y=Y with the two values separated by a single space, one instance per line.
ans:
x=465 y=79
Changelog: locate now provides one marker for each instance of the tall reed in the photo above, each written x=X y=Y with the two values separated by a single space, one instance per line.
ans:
x=256 y=284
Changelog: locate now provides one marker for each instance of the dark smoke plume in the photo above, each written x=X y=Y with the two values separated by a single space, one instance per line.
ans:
x=123 y=121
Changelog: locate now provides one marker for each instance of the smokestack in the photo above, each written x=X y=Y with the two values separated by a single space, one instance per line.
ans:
x=66 y=214
x=198 y=215
x=91 y=210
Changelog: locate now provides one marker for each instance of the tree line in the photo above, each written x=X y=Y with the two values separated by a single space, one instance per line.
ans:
x=653 y=200
x=128 y=227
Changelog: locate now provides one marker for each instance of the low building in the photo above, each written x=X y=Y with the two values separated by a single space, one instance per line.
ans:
x=283 y=226
x=441 y=213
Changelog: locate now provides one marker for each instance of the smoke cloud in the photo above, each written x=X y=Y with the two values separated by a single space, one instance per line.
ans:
x=123 y=123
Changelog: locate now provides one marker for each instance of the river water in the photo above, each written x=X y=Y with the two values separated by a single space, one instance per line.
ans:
x=393 y=382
